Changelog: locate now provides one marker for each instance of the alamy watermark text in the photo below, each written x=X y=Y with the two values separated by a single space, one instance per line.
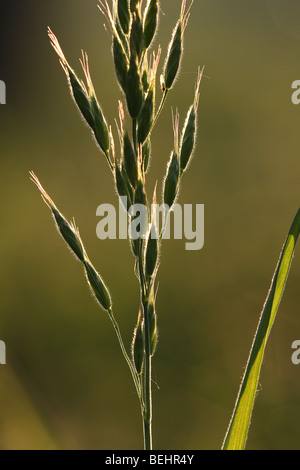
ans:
x=188 y=222
x=2 y=92
x=2 y=352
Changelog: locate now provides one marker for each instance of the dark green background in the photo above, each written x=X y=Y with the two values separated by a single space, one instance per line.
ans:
x=65 y=384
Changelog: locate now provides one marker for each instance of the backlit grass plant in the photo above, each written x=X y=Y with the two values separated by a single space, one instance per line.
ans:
x=133 y=25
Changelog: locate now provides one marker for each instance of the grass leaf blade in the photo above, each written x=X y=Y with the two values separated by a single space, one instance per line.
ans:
x=237 y=431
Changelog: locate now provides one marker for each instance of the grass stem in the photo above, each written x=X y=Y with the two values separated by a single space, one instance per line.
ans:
x=147 y=383
x=130 y=365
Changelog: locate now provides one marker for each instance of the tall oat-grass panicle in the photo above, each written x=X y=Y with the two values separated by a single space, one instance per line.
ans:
x=133 y=25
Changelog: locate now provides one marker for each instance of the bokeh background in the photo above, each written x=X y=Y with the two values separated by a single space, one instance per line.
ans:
x=65 y=384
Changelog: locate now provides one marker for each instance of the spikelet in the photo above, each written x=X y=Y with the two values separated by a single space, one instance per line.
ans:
x=97 y=286
x=120 y=62
x=130 y=161
x=136 y=36
x=152 y=246
x=100 y=128
x=188 y=135
x=140 y=198
x=123 y=187
x=175 y=50
x=85 y=97
x=70 y=234
x=151 y=257
x=171 y=182
x=146 y=115
x=150 y=22
x=124 y=15
x=77 y=87
x=138 y=345
x=134 y=89
x=173 y=58
x=67 y=230
x=140 y=194
x=146 y=154
x=172 y=178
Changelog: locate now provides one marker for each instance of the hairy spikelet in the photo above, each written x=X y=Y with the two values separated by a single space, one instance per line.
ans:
x=97 y=286
x=120 y=62
x=146 y=116
x=151 y=252
x=101 y=130
x=173 y=59
x=136 y=36
x=85 y=97
x=77 y=88
x=130 y=160
x=124 y=15
x=146 y=154
x=188 y=136
x=68 y=230
x=150 y=22
x=134 y=89
x=175 y=49
x=138 y=345
x=70 y=234
x=123 y=186
x=171 y=182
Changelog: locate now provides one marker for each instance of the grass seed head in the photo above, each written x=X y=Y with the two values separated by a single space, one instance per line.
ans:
x=122 y=187
x=101 y=130
x=145 y=72
x=189 y=131
x=69 y=234
x=146 y=153
x=145 y=118
x=175 y=49
x=150 y=22
x=97 y=286
x=134 y=90
x=187 y=138
x=136 y=36
x=122 y=38
x=171 y=182
x=120 y=62
x=140 y=194
x=80 y=97
x=138 y=345
x=130 y=161
x=68 y=231
x=77 y=88
x=129 y=186
x=140 y=197
x=124 y=15
x=151 y=253
x=173 y=59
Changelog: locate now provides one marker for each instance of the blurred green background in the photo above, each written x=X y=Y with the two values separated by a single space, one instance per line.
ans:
x=65 y=385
